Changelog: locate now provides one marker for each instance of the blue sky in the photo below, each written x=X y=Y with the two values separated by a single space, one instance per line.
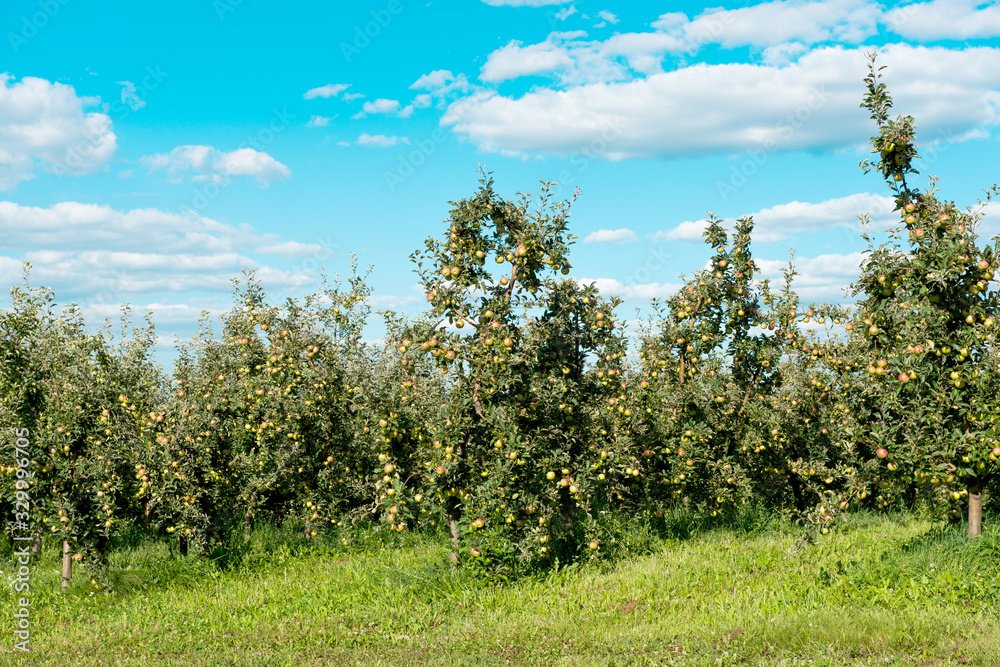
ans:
x=147 y=154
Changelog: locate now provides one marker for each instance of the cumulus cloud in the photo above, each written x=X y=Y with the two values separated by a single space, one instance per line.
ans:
x=381 y=106
x=439 y=83
x=782 y=221
x=44 y=123
x=632 y=292
x=610 y=236
x=778 y=32
x=380 y=140
x=768 y=23
x=945 y=19
x=130 y=97
x=211 y=164
x=705 y=108
x=821 y=278
x=514 y=60
x=327 y=91
x=390 y=301
x=319 y=121
x=566 y=12
x=101 y=257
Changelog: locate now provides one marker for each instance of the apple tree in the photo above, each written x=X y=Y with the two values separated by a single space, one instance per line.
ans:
x=925 y=326
x=513 y=457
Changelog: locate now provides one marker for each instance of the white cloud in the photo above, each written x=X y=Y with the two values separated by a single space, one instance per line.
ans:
x=731 y=107
x=95 y=253
x=436 y=79
x=769 y=23
x=319 y=121
x=782 y=221
x=439 y=83
x=514 y=60
x=610 y=236
x=566 y=12
x=608 y=16
x=632 y=292
x=45 y=123
x=329 y=90
x=689 y=230
x=390 y=301
x=293 y=249
x=782 y=54
x=130 y=97
x=381 y=106
x=778 y=223
x=380 y=140
x=350 y=97
x=822 y=278
x=209 y=163
x=945 y=19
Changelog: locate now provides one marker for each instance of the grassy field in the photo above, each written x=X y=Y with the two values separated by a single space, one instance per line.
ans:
x=882 y=590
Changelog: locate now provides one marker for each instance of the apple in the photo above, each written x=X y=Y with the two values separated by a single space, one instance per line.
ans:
x=550 y=475
x=882 y=452
x=593 y=545
x=904 y=378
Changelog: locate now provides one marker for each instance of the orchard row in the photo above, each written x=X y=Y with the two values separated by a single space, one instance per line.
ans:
x=513 y=411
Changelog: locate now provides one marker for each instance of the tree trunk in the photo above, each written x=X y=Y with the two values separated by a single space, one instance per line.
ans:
x=146 y=515
x=800 y=501
x=36 y=545
x=183 y=543
x=248 y=518
x=67 y=569
x=975 y=507
x=454 y=509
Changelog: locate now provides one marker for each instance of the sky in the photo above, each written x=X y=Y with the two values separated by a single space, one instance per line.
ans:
x=149 y=152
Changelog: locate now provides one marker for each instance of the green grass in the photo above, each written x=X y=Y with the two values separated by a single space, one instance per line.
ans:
x=896 y=590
